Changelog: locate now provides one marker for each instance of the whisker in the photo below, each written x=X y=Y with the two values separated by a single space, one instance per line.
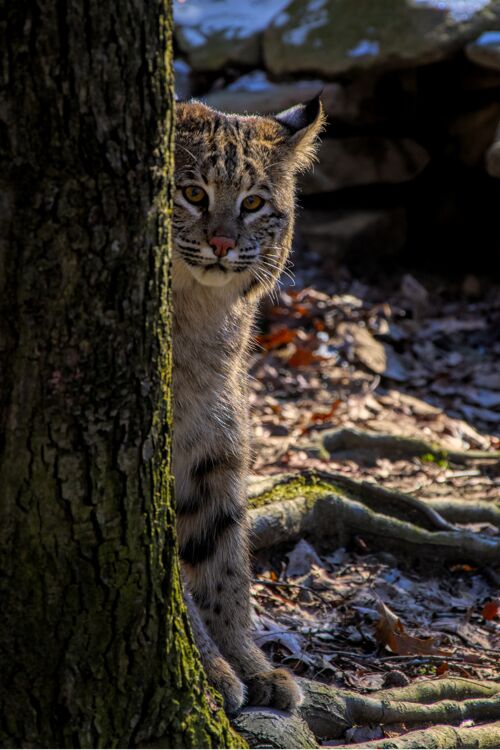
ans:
x=186 y=150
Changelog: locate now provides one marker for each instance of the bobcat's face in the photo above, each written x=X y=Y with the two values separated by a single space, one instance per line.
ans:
x=235 y=191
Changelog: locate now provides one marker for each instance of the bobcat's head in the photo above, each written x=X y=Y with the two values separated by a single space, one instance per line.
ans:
x=235 y=192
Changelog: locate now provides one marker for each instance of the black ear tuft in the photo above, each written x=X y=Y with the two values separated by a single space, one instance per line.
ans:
x=302 y=115
x=304 y=124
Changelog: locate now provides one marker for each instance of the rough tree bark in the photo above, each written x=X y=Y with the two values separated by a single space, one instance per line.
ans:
x=95 y=649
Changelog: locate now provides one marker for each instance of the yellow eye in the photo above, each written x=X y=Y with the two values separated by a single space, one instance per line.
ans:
x=252 y=203
x=194 y=194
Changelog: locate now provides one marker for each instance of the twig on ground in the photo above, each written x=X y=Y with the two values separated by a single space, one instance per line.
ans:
x=289 y=585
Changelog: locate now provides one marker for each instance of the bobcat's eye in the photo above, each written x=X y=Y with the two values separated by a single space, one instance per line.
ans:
x=252 y=203
x=195 y=194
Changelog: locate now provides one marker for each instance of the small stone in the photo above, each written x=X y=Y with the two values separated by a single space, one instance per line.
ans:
x=305 y=596
x=387 y=559
x=395 y=678
x=301 y=559
x=471 y=286
x=413 y=291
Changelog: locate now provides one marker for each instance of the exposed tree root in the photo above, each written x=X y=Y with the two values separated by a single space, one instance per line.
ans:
x=329 y=712
x=332 y=507
x=347 y=441
x=323 y=506
x=268 y=728
x=487 y=736
x=465 y=511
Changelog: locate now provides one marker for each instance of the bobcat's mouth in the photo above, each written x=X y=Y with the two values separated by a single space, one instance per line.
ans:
x=216 y=267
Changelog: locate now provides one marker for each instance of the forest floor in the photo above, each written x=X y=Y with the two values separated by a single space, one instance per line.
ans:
x=398 y=356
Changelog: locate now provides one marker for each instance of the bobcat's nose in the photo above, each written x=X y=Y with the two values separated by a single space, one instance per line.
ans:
x=221 y=245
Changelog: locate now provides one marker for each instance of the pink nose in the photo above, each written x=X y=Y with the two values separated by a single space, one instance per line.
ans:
x=221 y=245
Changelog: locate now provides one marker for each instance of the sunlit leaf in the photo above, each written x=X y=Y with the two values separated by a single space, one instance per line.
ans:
x=279 y=337
x=491 y=610
x=390 y=632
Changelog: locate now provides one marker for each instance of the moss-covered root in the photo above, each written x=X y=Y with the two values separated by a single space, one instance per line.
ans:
x=347 y=441
x=321 y=505
x=266 y=728
x=329 y=711
x=487 y=736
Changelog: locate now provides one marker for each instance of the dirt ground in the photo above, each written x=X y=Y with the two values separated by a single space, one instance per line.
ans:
x=407 y=355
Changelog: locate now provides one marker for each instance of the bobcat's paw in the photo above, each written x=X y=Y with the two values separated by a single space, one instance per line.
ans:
x=223 y=678
x=276 y=688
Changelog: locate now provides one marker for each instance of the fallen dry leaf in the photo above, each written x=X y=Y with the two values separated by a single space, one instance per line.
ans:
x=279 y=337
x=391 y=633
x=319 y=416
x=302 y=357
x=491 y=610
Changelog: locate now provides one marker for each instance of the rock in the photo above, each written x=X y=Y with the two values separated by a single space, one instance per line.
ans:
x=357 y=234
x=301 y=559
x=472 y=288
x=331 y=37
x=493 y=156
x=395 y=678
x=346 y=103
x=378 y=357
x=368 y=160
x=216 y=34
x=473 y=132
x=214 y=52
x=254 y=93
x=413 y=292
x=485 y=50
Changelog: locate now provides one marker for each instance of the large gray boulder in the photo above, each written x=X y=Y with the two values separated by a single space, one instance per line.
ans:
x=255 y=94
x=331 y=37
x=215 y=33
x=364 y=160
x=346 y=102
x=358 y=234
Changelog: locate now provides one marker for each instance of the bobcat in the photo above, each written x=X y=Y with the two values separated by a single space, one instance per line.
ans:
x=233 y=223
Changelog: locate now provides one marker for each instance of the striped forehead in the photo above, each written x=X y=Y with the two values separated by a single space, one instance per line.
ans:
x=229 y=150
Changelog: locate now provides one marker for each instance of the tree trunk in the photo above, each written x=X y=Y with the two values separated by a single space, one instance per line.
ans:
x=94 y=641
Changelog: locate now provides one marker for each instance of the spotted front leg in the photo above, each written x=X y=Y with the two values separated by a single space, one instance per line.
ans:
x=213 y=543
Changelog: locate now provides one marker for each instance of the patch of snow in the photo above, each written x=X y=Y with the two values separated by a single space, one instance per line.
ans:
x=365 y=48
x=257 y=80
x=193 y=36
x=317 y=16
x=181 y=67
x=458 y=10
x=282 y=19
x=488 y=39
x=233 y=18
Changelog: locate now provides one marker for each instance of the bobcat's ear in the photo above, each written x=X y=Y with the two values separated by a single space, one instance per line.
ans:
x=304 y=123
